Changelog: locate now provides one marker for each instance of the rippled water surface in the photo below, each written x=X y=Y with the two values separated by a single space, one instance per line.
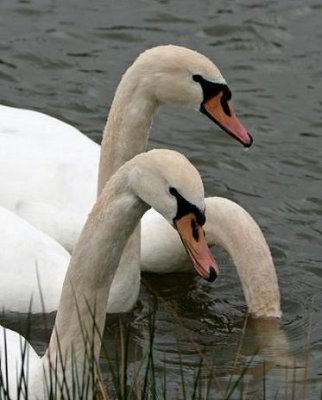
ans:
x=66 y=58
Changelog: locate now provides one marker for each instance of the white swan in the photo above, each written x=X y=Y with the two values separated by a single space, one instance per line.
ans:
x=147 y=180
x=48 y=169
x=230 y=227
x=161 y=75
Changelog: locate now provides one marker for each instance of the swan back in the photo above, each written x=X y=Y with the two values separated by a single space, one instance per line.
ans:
x=48 y=172
x=26 y=251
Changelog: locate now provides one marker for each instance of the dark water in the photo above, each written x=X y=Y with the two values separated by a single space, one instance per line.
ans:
x=66 y=58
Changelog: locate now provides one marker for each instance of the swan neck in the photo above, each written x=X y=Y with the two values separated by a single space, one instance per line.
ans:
x=232 y=228
x=82 y=310
x=128 y=124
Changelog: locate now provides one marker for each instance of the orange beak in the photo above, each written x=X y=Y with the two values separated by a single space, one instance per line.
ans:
x=193 y=239
x=221 y=111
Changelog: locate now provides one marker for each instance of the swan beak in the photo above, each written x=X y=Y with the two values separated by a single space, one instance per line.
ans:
x=193 y=239
x=223 y=114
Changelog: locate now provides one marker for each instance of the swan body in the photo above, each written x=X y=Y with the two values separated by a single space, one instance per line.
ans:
x=33 y=266
x=147 y=180
x=29 y=260
x=48 y=172
x=230 y=227
x=14 y=345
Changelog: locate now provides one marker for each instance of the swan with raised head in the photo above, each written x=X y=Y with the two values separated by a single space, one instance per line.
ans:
x=161 y=75
x=48 y=169
x=162 y=179
x=231 y=227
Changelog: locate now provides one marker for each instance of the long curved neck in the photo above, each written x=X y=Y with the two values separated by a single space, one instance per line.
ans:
x=231 y=227
x=128 y=124
x=81 y=313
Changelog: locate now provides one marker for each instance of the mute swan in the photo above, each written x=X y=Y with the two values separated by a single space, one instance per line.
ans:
x=48 y=169
x=230 y=227
x=161 y=75
x=162 y=179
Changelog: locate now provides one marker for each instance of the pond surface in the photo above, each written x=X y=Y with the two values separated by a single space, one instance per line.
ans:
x=66 y=59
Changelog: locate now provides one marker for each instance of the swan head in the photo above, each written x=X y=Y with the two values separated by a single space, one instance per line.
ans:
x=175 y=74
x=167 y=181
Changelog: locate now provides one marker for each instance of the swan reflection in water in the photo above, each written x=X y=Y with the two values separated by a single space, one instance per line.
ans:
x=229 y=344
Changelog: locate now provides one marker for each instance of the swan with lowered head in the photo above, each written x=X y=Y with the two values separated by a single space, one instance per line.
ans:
x=231 y=227
x=228 y=225
x=162 y=179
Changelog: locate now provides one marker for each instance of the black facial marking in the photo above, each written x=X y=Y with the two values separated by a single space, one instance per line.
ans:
x=195 y=230
x=212 y=274
x=185 y=207
x=225 y=106
x=211 y=89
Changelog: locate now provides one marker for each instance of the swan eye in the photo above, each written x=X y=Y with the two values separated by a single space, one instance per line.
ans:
x=197 y=78
x=227 y=93
x=225 y=106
